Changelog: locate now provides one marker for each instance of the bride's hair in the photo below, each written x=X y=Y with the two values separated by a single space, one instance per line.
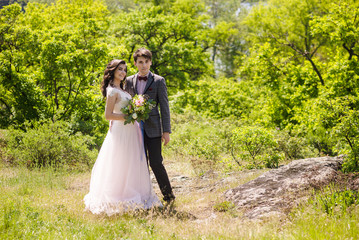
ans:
x=108 y=76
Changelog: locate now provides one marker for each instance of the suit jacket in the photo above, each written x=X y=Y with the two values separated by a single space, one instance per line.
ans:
x=155 y=89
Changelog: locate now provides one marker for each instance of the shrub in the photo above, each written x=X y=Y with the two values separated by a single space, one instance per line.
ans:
x=200 y=140
x=331 y=125
x=255 y=145
x=49 y=144
x=339 y=117
x=348 y=131
x=294 y=147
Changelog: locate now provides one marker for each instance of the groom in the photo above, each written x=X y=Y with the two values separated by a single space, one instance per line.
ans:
x=157 y=128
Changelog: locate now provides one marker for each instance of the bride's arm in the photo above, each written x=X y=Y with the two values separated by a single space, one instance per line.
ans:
x=110 y=104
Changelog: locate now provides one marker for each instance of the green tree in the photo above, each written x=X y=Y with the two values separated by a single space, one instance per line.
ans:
x=285 y=61
x=172 y=38
x=20 y=97
x=340 y=27
x=72 y=53
x=52 y=59
x=225 y=37
x=215 y=98
x=287 y=25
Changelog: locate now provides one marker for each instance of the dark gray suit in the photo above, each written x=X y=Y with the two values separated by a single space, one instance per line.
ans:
x=156 y=89
x=157 y=123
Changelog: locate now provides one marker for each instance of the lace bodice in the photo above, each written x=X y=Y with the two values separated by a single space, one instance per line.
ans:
x=122 y=99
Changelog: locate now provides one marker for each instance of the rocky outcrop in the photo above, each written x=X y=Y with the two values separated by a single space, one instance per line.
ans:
x=279 y=190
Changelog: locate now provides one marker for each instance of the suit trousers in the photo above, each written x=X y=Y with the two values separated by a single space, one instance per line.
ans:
x=153 y=147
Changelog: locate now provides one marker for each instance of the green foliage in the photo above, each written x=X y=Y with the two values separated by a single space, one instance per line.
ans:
x=309 y=125
x=340 y=26
x=286 y=25
x=346 y=128
x=72 y=54
x=53 y=55
x=204 y=152
x=204 y=148
x=88 y=117
x=202 y=141
x=331 y=124
x=294 y=68
x=49 y=144
x=255 y=145
x=303 y=62
x=336 y=202
x=172 y=39
x=293 y=146
x=233 y=104
x=224 y=206
x=282 y=61
x=215 y=98
x=225 y=37
x=20 y=98
x=51 y=58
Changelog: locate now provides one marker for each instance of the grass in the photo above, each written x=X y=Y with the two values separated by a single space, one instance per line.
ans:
x=309 y=223
x=47 y=204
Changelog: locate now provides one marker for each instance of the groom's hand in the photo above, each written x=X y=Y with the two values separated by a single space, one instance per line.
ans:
x=166 y=138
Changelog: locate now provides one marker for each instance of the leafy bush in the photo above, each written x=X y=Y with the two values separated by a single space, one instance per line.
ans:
x=330 y=124
x=340 y=118
x=204 y=148
x=200 y=140
x=88 y=117
x=255 y=145
x=229 y=145
x=294 y=147
x=350 y=163
x=49 y=144
x=348 y=131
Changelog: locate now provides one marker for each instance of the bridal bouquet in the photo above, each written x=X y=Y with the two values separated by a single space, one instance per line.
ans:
x=138 y=109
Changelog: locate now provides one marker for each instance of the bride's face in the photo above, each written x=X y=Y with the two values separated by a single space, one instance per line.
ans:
x=120 y=72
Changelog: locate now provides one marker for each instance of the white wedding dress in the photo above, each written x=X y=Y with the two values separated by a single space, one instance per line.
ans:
x=120 y=179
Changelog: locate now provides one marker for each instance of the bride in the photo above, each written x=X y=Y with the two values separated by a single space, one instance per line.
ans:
x=120 y=179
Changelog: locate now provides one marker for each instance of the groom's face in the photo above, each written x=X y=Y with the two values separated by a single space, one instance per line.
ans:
x=143 y=65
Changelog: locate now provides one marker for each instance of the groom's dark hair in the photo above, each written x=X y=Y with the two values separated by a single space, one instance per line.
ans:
x=142 y=52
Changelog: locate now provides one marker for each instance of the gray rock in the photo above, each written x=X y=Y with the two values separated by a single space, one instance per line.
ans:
x=279 y=190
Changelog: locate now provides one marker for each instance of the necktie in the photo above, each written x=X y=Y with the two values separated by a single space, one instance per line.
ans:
x=142 y=78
